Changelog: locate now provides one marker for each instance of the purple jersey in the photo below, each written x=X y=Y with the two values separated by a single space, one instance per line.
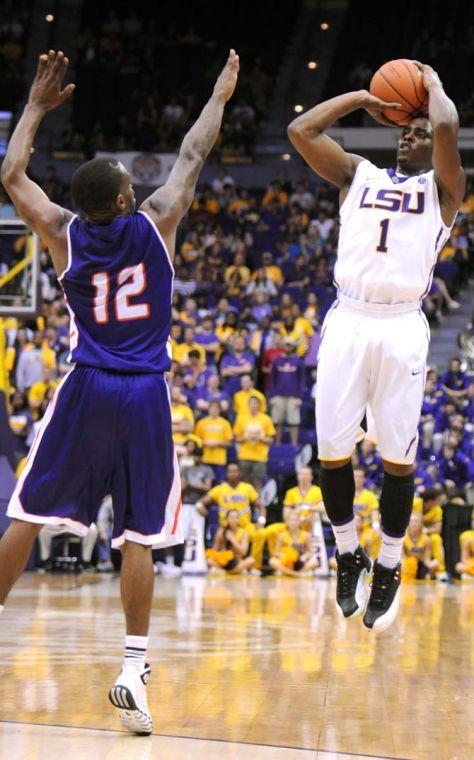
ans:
x=118 y=286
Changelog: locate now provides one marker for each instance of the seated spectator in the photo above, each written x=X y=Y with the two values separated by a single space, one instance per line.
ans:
x=216 y=435
x=189 y=315
x=295 y=333
x=182 y=417
x=234 y=365
x=429 y=507
x=305 y=499
x=454 y=382
x=294 y=554
x=235 y=494
x=195 y=374
x=324 y=225
x=32 y=361
x=454 y=467
x=465 y=567
x=212 y=392
x=21 y=422
x=417 y=561
x=372 y=463
x=269 y=270
x=182 y=350
x=231 y=545
x=242 y=398
x=254 y=432
x=225 y=332
x=275 y=193
x=237 y=276
x=207 y=338
x=287 y=386
x=366 y=505
x=38 y=391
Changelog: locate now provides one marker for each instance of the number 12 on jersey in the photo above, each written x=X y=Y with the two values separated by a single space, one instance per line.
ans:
x=382 y=246
x=131 y=282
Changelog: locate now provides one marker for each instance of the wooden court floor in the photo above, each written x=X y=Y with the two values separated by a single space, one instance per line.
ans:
x=241 y=668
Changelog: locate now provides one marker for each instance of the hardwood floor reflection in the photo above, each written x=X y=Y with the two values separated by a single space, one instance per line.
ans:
x=243 y=660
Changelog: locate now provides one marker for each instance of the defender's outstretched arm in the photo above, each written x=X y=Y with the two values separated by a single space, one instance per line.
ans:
x=169 y=203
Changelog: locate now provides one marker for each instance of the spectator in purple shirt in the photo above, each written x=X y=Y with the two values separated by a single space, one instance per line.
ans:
x=443 y=416
x=212 y=392
x=287 y=384
x=207 y=338
x=454 y=382
x=234 y=365
x=196 y=374
x=454 y=467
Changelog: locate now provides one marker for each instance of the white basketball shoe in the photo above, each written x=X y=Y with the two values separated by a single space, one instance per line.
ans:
x=128 y=694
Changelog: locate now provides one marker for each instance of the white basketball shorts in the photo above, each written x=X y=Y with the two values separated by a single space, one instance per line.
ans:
x=372 y=360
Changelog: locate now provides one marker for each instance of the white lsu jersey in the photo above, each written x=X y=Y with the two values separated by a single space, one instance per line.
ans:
x=390 y=237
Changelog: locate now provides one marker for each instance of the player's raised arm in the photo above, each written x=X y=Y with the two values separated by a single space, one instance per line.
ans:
x=323 y=154
x=449 y=174
x=169 y=203
x=31 y=203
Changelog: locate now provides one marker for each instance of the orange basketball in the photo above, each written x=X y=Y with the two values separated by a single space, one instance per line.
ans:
x=401 y=81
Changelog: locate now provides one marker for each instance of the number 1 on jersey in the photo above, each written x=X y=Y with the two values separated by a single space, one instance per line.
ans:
x=382 y=246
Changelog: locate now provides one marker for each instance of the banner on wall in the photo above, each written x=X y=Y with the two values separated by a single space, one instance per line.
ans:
x=144 y=168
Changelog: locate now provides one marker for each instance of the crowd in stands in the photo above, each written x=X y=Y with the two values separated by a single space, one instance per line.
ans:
x=253 y=282
x=14 y=28
x=142 y=80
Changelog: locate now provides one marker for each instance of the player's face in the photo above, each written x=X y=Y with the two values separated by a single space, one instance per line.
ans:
x=415 y=146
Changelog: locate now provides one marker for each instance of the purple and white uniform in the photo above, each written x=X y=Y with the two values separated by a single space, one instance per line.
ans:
x=108 y=427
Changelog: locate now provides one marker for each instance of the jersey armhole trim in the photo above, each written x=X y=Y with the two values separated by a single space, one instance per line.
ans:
x=69 y=250
x=351 y=186
x=446 y=227
x=160 y=237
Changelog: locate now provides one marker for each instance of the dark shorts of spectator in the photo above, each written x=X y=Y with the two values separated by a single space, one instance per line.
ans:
x=250 y=469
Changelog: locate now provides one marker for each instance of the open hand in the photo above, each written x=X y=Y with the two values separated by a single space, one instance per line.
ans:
x=227 y=79
x=46 y=90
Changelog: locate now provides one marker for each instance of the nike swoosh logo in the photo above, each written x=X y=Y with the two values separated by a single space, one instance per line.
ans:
x=417 y=373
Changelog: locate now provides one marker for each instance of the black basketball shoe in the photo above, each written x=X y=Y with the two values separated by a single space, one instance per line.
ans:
x=384 y=597
x=352 y=592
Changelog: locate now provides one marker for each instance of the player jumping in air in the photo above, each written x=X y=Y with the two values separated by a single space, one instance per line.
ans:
x=108 y=427
x=375 y=338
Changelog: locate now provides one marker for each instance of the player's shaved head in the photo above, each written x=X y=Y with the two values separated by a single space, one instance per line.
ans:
x=97 y=185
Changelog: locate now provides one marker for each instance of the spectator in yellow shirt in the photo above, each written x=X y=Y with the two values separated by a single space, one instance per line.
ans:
x=181 y=351
x=235 y=493
x=294 y=554
x=305 y=499
x=366 y=505
x=275 y=193
x=182 y=417
x=38 y=391
x=237 y=275
x=254 y=432
x=429 y=507
x=216 y=435
x=247 y=390
x=270 y=270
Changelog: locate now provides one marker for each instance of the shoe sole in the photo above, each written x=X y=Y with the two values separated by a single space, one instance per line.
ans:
x=130 y=715
x=386 y=620
x=362 y=597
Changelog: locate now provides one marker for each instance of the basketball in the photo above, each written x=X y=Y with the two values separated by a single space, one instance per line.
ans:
x=401 y=81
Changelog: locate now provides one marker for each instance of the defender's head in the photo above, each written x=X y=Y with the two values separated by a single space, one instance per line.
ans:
x=415 y=147
x=101 y=190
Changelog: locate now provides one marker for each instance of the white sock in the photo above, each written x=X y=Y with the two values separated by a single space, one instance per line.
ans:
x=135 y=651
x=346 y=537
x=391 y=551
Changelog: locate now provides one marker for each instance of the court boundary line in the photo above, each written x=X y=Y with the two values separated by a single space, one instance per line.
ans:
x=203 y=739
